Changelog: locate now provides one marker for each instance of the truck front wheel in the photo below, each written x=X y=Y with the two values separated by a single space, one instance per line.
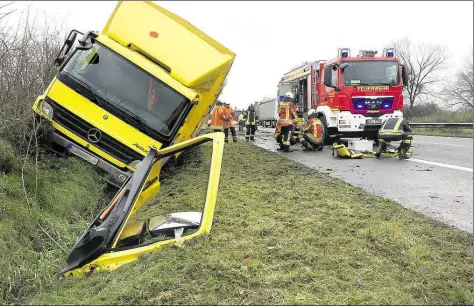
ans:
x=327 y=137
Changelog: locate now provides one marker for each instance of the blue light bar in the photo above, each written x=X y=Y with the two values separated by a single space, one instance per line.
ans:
x=389 y=52
x=344 y=52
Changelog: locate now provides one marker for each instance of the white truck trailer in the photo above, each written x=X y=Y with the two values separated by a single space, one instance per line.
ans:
x=267 y=112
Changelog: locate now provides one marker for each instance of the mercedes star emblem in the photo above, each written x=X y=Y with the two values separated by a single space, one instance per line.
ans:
x=94 y=135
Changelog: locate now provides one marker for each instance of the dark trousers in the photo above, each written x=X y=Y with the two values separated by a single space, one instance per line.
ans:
x=250 y=133
x=286 y=133
x=405 y=145
x=308 y=143
x=241 y=125
x=226 y=133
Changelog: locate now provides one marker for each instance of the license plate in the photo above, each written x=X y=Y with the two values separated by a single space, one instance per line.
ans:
x=78 y=152
x=373 y=121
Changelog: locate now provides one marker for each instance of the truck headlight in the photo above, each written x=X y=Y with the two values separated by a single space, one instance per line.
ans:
x=47 y=110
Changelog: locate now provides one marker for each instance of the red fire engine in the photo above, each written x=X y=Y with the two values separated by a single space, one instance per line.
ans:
x=352 y=95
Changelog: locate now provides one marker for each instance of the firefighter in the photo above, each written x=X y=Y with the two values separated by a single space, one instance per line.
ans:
x=287 y=121
x=216 y=115
x=251 y=118
x=228 y=122
x=312 y=132
x=279 y=137
x=241 y=122
x=395 y=129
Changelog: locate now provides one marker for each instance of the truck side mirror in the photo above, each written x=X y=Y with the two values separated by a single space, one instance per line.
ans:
x=68 y=43
x=71 y=38
x=404 y=76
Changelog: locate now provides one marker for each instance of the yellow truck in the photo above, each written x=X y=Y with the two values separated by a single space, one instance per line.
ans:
x=149 y=79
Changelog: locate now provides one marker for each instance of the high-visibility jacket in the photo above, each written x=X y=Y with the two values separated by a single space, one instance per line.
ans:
x=241 y=117
x=314 y=130
x=394 y=127
x=227 y=117
x=216 y=118
x=250 y=117
x=287 y=114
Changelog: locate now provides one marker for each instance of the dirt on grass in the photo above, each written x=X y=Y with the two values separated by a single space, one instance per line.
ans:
x=284 y=234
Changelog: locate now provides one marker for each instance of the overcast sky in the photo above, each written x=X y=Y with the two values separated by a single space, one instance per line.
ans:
x=270 y=38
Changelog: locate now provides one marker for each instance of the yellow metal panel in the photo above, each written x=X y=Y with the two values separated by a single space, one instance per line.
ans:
x=113 y=260
x=191 y=55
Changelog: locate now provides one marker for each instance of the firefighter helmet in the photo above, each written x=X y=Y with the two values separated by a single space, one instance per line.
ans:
x=311 y=111
x=289 y=94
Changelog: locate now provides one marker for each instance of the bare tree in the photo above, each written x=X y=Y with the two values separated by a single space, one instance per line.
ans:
x=423 y=62
x=4 y=13
x=27 y=52
x=459 y=94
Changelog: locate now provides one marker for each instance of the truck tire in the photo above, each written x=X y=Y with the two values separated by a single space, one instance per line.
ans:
x=327 y=138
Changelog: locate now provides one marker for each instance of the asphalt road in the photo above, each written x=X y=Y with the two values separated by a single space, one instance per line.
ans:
x=437 y=181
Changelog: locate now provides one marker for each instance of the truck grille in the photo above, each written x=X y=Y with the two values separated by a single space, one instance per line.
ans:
x=81 y=128
x=372 y=103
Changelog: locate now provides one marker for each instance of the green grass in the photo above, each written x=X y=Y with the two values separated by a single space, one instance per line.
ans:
x=283 y=234
x=447 y=132
x=445 y=117
x=40 y=219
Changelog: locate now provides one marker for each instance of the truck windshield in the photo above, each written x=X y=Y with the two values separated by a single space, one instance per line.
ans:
x=370 y=73
x=133 y=91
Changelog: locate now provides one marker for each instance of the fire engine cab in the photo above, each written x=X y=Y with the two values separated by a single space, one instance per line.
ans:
x=352 y=95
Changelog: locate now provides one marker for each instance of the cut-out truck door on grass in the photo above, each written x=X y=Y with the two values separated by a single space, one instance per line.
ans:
x=102 y=247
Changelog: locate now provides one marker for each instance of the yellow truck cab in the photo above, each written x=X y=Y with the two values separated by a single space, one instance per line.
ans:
x=149 y=79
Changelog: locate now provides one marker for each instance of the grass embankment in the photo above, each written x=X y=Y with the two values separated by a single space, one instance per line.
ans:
x=285 y=234
x=41 y=219
x=444 y=117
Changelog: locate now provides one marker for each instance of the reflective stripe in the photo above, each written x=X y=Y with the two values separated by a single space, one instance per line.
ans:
x=313 y=139
x=397 y=125
x=390 y=132
x=285 y=121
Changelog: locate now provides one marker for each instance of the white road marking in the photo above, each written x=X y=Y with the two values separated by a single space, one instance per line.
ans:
x=443 y=144
x=439 y=164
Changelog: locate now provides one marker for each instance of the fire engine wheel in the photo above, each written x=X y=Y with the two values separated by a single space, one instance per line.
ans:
x=327 y=138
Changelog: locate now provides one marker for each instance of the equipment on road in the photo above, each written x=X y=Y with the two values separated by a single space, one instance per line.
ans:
x=343 y=152
x=352 y=95
x=360 y=145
